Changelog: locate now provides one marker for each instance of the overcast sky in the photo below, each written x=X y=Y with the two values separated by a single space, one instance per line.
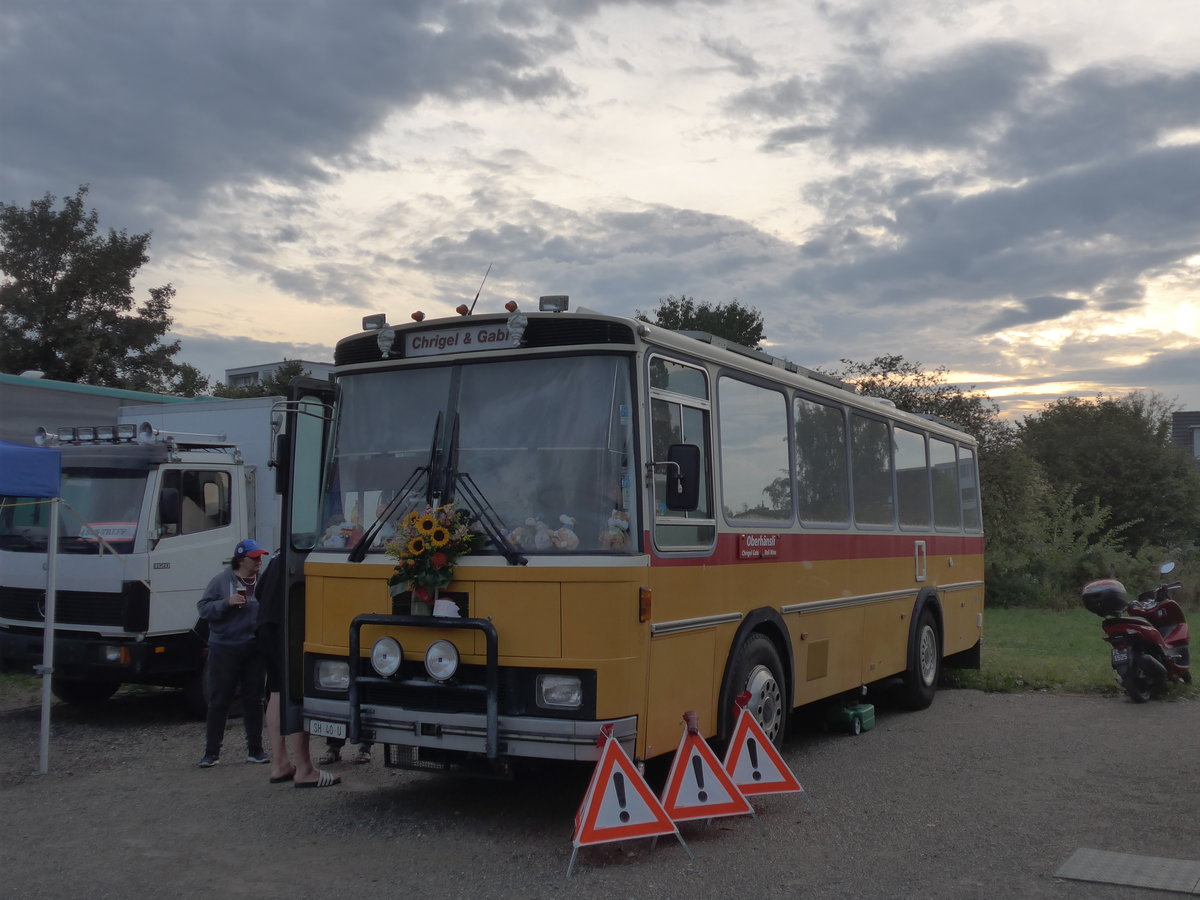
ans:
x=1008 y=189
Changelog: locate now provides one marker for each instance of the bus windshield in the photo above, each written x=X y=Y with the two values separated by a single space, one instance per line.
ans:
x=548 y=442
x=98 y=501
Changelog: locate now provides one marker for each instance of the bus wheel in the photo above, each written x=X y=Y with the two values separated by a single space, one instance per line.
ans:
x=925 y=666
x=757 y=669
x=83 y=693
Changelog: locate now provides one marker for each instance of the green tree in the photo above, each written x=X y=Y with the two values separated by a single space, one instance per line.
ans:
x=732 y=321
x=1119 y=451
x=189 y=382
x=66 y=302
x=275 y=386
x=915 y=389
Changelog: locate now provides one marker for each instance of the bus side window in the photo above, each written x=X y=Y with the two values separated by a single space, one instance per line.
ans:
x=871 y=471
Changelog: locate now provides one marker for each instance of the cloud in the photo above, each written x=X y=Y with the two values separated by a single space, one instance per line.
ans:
x=948 y=101
x=1028 y=312
x=160 y=102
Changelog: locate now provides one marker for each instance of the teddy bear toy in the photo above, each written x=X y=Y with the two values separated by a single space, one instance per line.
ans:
x=543 y=539
x=565 y=538
x=521 y=537
x=616 y=535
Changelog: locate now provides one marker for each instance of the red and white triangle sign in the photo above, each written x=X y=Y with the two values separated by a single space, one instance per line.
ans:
x=697 y=787
x=619 y=804
x=754 y=764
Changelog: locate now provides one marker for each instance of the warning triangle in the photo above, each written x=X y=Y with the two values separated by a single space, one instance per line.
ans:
x=697 y=786
x=754 y=764
x=619 y=804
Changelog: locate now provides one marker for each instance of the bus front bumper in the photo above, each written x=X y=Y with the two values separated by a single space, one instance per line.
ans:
x=464 y=735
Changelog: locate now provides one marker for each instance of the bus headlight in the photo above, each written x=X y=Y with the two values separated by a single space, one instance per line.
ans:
x=333 y=675
x=559 y=692
x=386 y=656
x=441 y=660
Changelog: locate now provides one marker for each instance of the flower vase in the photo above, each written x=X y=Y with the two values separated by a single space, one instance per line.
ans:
x=424 y=607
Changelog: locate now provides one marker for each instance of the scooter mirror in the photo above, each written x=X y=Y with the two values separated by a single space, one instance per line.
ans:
x=1167 y=568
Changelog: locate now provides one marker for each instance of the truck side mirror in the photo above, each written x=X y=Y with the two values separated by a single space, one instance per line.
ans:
x=683 y=477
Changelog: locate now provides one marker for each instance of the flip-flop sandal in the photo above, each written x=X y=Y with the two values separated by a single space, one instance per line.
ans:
x=324 y=779
x=283 y=778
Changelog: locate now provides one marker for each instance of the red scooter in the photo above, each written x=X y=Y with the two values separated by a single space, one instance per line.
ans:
x=1149 y=636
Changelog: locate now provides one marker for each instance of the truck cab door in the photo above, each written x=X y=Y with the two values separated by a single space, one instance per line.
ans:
x=199 y=514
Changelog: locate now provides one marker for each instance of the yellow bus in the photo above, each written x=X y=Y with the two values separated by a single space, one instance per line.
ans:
x=660 y=521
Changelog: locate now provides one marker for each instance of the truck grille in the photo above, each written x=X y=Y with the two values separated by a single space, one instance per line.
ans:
x=71 y=607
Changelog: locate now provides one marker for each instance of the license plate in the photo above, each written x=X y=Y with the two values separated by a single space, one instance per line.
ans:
x=1118 y=658
x=327 y=729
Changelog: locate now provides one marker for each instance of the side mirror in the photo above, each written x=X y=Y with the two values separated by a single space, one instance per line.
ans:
x=683 y=477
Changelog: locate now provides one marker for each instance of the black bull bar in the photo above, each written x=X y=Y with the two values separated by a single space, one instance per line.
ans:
x=492 y=679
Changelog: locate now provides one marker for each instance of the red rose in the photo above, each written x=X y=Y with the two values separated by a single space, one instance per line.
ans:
x=439 y=560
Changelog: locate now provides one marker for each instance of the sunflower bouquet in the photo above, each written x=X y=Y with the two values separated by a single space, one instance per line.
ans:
x=426 y=547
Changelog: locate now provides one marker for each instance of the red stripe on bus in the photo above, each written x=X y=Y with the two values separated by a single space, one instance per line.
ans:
x=821 y=547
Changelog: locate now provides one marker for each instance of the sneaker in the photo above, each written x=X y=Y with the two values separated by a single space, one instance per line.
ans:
x=363 y=755
x=208 y=761
x=259 y=757
x=330 y=756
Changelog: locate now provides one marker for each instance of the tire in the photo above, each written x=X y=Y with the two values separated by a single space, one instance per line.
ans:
x=83 y=693
x=924 y=666
x=756 y=668
x=1137 y=681
x=856 y=727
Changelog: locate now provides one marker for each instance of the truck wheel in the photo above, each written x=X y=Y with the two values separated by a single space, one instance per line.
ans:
x=925 y=665
x=756 y=668
x=83 y=693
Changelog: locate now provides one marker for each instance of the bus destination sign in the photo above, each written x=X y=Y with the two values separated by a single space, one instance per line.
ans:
x=457 y=340
x=758 y=546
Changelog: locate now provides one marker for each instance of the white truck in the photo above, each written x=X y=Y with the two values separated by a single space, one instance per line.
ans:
x=153 y=509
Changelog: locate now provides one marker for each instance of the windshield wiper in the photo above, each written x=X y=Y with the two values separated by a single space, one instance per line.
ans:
x=485 y=514
x=359 y=552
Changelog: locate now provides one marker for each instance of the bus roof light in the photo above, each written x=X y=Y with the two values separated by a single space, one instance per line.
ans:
x=511 y=306
x=375 y=322
x=418 y=316
x=554 y=303
x=462 y=309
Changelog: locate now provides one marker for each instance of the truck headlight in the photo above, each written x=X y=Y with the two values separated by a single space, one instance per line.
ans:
x=333 y=675
x=441 y=660
x=386 y=656
x=559 y=692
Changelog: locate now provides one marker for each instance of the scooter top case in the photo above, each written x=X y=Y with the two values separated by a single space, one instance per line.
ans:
x=1106 y=597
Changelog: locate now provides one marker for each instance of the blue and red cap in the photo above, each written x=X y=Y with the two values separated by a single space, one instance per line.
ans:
x=249 y=548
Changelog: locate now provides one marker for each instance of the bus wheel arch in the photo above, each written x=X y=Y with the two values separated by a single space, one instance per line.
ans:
x=760 y=660
x=926 y=639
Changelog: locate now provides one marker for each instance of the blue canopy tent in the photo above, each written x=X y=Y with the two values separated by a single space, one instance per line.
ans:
x=34 y=473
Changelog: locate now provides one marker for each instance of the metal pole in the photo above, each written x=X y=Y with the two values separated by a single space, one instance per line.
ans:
x=46 y=670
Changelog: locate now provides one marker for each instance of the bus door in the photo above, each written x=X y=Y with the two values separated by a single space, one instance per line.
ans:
x=300 y=470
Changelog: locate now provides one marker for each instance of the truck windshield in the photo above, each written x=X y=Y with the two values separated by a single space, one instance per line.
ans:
x=102 y=500
x=548 y=442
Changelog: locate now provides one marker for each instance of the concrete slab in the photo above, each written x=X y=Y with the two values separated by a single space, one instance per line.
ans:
x=1153 y=872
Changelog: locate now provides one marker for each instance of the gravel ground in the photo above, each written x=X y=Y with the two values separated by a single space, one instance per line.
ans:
x=982 y=795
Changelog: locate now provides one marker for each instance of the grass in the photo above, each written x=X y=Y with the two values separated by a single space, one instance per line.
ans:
x=1046 y=650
